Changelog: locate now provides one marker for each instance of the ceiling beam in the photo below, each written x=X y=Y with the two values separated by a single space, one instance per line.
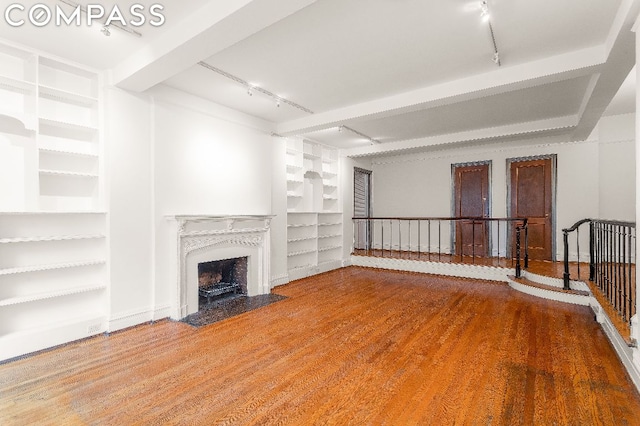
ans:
x=207 y=31
x=544 y=71
x=621 y=58
x=534 y=128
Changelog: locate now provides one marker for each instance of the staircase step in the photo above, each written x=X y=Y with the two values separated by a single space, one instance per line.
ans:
x=524 y=285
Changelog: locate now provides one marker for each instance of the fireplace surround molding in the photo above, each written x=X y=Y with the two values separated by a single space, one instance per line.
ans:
x=205 y=238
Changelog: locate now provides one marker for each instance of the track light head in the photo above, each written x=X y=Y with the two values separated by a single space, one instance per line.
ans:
x=484 y=11
x=105 y=30
x=277 y=103
x=250 y=91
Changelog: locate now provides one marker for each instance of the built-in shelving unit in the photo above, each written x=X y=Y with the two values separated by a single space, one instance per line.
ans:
x=314 y=242
x=53 y=285
x=314 y=232
x=53 y=245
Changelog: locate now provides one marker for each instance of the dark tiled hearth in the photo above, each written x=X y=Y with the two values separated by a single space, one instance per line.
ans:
x=228 y=307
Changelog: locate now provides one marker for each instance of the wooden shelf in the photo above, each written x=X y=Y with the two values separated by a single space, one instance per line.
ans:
x=300 y=225
x=329 y=248
x=296 y=240
x=52 y=212
x=50 y=295
x=20 y=86
x=50 y=267
x=50 y=239
x=67 y=97
x=67 y=125
x=301 y=252
x=68 y=174
x=329 y=236
x=65 y=152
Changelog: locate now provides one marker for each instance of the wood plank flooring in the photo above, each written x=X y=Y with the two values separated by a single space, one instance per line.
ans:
x=350 y=347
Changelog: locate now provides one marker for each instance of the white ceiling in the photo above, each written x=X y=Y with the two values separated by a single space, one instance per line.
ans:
x=394 y=70
x=87 y=45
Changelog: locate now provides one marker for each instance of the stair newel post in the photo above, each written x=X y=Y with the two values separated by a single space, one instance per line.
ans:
x=518 y=268
x=592 y=261
x=565 y=233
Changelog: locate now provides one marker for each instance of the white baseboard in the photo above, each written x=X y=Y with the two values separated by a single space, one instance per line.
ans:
x=161 y=312
x=630 y=357
x=279 y=280
x=49 y=336
x=129 y=319
x=449 y=269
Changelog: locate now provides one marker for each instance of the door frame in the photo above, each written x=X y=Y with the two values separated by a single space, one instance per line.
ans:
x=554 y=184
x=453 y=193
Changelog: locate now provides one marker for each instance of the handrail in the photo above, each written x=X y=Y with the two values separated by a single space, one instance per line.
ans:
x=488 y=219
x=576 y=225
x=397 y=236
x=612 y=249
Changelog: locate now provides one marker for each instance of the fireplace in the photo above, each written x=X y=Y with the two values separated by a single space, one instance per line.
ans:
x=205 y=240
x=221 y=278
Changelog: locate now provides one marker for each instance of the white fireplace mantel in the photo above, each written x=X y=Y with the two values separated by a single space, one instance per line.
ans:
x=204 y=238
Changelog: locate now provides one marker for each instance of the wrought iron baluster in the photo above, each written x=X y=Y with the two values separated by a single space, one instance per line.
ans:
x=419 y=238
x=631 y=280
x=624 y=274
x=473 y=241
x=439 y=237
x=382 y=240
x=518 y=270
x=578 y=249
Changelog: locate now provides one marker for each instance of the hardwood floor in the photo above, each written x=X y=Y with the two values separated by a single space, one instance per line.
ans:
x=353 y=346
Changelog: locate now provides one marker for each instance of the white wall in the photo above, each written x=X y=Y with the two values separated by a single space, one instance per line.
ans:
x=128 y=151
x=208 y=160
x=617 y=167
x=279 y=273
x=420 y=184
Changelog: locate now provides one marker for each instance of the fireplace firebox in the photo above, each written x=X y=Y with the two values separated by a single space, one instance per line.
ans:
x=222 y=277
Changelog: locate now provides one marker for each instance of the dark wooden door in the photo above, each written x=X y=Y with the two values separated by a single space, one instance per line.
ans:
x=532 y=197
x=471 y=191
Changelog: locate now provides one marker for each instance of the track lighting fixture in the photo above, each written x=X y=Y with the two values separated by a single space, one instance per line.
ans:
x=278 y=99
x=486 y=17
x=106 y=30
x=362 y=135
x=484 y=11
